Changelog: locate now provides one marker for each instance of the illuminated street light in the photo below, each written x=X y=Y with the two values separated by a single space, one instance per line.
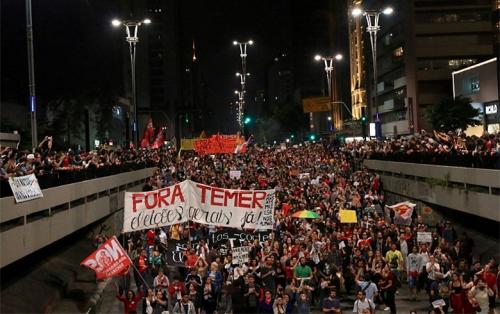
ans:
x=329 y=62
x=243 y=75
x=132 y=29
x=373 y=26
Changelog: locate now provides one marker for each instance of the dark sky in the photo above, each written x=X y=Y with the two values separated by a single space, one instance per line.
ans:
x=75 y=47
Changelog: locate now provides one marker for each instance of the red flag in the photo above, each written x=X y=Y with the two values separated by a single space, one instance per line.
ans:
x=109 y=260
x=159 y=140
x=286 y=208
x=149 y=133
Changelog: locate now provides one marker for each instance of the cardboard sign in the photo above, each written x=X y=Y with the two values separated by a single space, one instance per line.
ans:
x=348 y=216
x=25 y=188
x=109 y=260
x=235 y=174
x=424 y=237
x=240 y=255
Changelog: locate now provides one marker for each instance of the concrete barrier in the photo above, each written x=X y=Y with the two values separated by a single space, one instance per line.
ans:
x=470 y=190
x=29 y=226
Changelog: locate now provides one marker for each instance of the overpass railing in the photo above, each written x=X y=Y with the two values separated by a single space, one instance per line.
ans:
x=475 y=191
x=29 y=226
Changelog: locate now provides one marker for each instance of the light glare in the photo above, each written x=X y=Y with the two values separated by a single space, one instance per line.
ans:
x=317 y=57
x=147 y=21
x=388 y=11
x=356 y=12
x=116 y=22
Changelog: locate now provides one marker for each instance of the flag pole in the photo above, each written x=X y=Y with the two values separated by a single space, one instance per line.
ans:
x=139 y=273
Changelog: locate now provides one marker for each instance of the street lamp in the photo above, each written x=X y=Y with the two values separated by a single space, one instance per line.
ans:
x=243 y=75
x=31 y=76
x=329 y=62
x=372 y=21
x=132 y=29
x=243 y=79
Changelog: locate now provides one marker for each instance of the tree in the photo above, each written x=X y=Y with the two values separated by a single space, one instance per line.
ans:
x=452 y=114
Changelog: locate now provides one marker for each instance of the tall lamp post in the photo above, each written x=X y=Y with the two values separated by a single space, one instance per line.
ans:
x=31 y=75
x=373 y=26
x=243 y=76
x=240 y=107
x=132 y=30
x=329 y=67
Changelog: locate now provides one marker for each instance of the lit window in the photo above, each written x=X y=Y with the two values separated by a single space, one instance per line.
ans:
x=398 y=52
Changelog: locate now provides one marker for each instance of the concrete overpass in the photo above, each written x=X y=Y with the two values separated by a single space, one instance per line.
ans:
x=472 y=191
x=27 y=227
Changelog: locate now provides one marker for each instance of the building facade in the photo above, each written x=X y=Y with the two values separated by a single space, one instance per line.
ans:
x=480 y=83
x=418 y=48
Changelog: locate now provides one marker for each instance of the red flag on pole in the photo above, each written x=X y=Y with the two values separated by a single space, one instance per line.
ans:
x=149 y=133
x=159 y=140
x=109 y=260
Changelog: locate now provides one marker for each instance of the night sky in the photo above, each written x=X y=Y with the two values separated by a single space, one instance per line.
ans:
x=75 y=47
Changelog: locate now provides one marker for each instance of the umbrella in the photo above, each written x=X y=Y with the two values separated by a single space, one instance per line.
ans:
x=305 y=214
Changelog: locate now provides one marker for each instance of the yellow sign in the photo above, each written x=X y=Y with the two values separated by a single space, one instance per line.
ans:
x=187 y=144
x=348 y=216
x=316 y=104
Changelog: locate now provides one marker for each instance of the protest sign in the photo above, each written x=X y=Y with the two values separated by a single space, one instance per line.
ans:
x=174 y=255
x=237 y=237
x=235 y=174
x=219 y=144
x=424 y=237
x=303 y=175
x=402 y=212
x=240 y=255
x=109 y=260
x=204 y=204
x=251 y=209
x=25 y=188
x=348 y=216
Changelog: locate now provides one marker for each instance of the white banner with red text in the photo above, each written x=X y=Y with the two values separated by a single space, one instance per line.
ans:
x=204 y=204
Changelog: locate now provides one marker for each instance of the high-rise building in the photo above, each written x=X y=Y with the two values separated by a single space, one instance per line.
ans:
x=418 y=48
x=357 y=63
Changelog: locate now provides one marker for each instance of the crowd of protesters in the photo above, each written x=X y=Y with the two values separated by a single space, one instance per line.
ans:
x=306 y=264
x=53 y=168
x=449 y=149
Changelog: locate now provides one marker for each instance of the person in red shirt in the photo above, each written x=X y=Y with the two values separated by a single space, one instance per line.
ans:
x=191 y=258
x=130 y=302
x=150 y=237
x=175 y=291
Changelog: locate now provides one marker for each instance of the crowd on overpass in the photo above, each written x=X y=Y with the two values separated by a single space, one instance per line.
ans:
x=54 y=168
x=305 y=264
x=448 y=149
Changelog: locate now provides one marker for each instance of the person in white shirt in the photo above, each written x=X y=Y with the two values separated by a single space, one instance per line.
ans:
x=161 y=281
x=432 y=267
x=363 y=305
x=413 y=270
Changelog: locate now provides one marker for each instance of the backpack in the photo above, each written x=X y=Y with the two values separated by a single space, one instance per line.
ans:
x=358 y=288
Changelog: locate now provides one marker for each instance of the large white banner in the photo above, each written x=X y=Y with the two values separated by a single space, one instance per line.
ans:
x=25 y=188
x=188 y=200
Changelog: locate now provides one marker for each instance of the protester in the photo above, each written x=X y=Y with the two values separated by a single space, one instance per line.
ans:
x=304 y=264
